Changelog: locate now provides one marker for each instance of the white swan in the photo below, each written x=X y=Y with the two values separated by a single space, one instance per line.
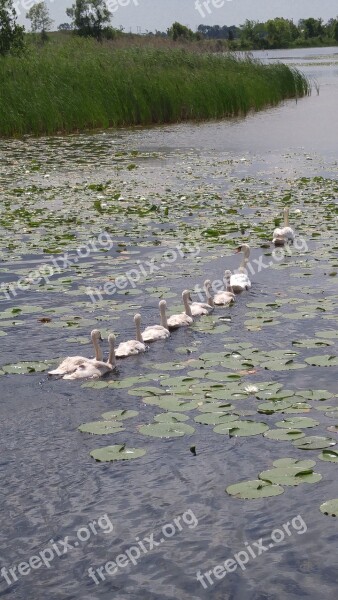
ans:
x=283 y=235
x=183 y=319
x=157 y=332
x=226 y=297
x=133 y=346
x=203 y=308
x=240 y=280
x=93 y=369
x=71 y=363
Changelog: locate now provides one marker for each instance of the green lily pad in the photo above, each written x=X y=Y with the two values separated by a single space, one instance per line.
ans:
x=171 y=403
x=241 y=428
x=290 y=476
x=328 y=456
x=251 y=490
x=171 y=417
x=166 y=429
x=101 y=427
x=117 y=452
x=297 y=422
x=294 y=462
x=23 y=368
x=330 y=508
x=315 y=394
x=284 y=435
x=324 y=360
x=214 y=418
x=119 y=415
x=314 y=442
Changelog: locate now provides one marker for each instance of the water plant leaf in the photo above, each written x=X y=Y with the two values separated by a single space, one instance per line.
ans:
x=314 y=442
x=101 y=427
x=297 y=422
x=22 y=368
x=330 y=508
x=284 y=435
x=214 y=418
x=170 y=417
x=166 y=429
x=290 y=475
x=328 y=456
x=241 y=428
x=322 y=360
x=119 y=415
x=254 y=489
x=116 y=452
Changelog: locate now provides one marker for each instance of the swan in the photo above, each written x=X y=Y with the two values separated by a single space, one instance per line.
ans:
x=283 y=235
x=93 y=369
x=133 y=346
x=183 y=319
x=71 y=363
x=157 y=332
x=226 y=297
x=203 y=308
x=240 y=280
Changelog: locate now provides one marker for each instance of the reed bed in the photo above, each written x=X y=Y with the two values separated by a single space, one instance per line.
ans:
x=80 y=85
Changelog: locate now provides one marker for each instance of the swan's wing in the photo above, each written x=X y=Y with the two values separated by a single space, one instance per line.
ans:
x=69 y=365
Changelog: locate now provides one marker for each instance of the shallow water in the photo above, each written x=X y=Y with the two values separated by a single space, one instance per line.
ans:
x=211 y=185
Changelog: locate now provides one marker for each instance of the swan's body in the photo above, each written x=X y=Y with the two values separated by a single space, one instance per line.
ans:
x=157 y=332
x=71 y=363
x=227 y=296
x=199 y=309
x=93 y=369
x=183 y=319
x=133 y=346
x=283 y=235
x=240 y=281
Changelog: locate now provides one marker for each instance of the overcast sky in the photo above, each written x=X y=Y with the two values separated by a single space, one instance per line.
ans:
x=160 y=14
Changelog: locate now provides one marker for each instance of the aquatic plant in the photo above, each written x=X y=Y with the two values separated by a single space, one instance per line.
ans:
x=80 y=85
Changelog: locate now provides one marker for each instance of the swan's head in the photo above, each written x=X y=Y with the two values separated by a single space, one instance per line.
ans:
x=96 y=335
x=162 y=304
x=227 y=274
x=137 y=319
x=186 y=295
x=111 y=339
x=207 y=284
x=245 y=248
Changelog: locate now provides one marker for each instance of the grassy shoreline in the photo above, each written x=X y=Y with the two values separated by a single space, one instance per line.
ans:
x=82 y=85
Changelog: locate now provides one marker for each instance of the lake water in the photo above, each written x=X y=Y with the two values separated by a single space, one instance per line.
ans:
x=168 y=206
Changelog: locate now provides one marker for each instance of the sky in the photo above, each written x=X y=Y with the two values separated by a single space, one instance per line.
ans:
x=151 y=15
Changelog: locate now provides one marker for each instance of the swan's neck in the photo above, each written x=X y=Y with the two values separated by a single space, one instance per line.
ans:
x=286 y=217
x=228 y=286
x=112 y=357
x=97 y=349
x=163 y=319
x=209 y=297
x=139 y=337
x=187 y=308
x=242 y=266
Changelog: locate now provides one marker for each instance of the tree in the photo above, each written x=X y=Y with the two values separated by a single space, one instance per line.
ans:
x=90 y=17
x=180 y=32
x=40 y=20
x=65 y=27
x=281 y=32
x=11 y=34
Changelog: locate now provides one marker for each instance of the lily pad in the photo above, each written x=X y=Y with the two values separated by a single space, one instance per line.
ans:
x=119 y=415
x=290 y=475
x=314 y=442
x=166 y=429
x=171 y=417
x=241 y=428
x=297 y=422
x=322 y=360
x=117 y=452
x=256 y=488
x=330 y=508
x=328 y=456
x=101 y=427
x=284 y=435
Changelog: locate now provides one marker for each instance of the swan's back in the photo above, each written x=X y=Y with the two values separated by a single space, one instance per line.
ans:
x=155 y=332
x=69 y=365
x=129 y=349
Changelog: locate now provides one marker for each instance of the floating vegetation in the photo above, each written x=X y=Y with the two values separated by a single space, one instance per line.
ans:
x=117 y=452
x=330 y=507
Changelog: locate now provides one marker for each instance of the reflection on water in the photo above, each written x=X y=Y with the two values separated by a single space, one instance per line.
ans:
x=189 y=181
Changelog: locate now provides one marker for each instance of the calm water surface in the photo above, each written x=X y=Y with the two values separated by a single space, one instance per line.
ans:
x=51 y=487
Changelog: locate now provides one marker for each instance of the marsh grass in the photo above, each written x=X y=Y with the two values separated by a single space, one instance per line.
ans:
x=80 y=84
